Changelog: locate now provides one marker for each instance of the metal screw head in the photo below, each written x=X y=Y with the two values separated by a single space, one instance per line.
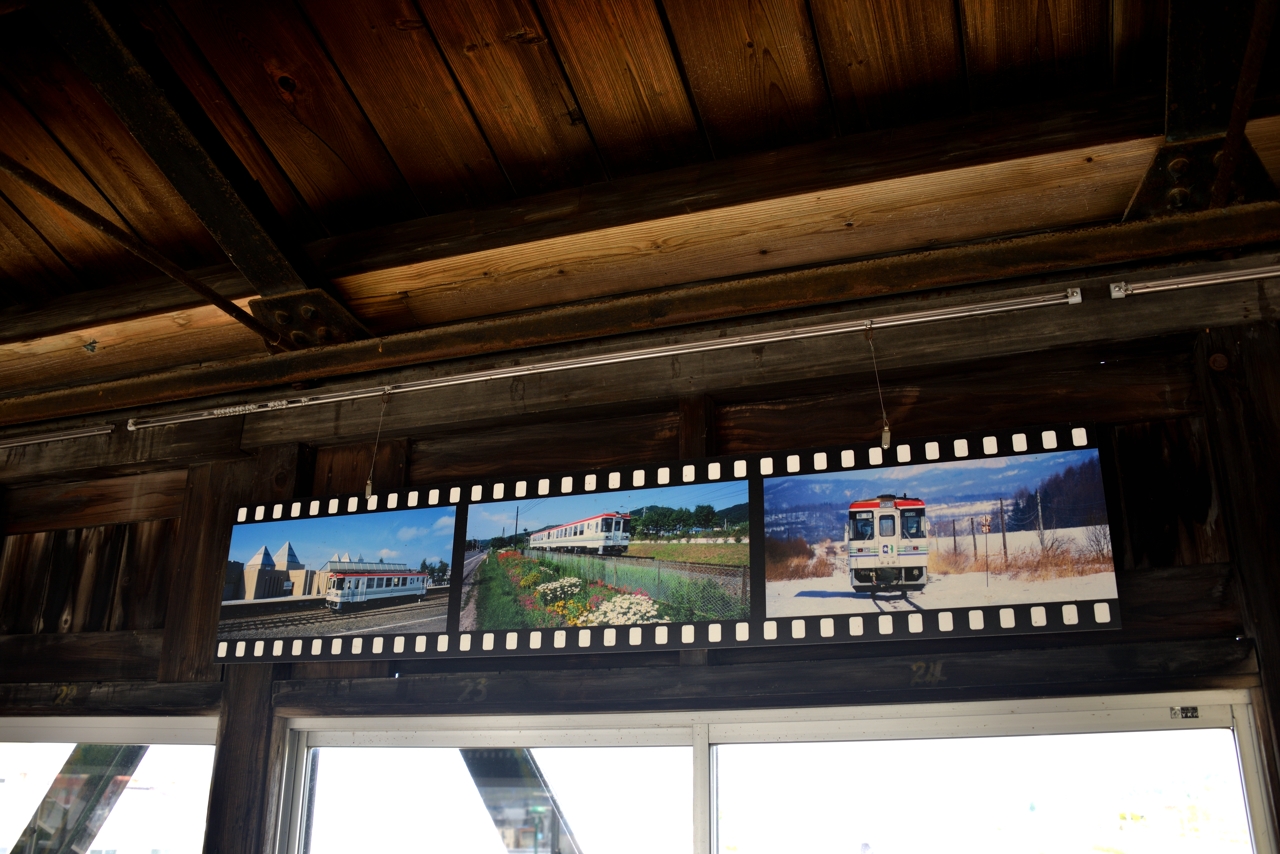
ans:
x=1178 y=166
x=282 y=317
x=299 y=337
x=1178 y=197
x=307 y=312
x=1218 y=361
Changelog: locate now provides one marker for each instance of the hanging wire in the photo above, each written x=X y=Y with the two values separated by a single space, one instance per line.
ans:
x=884 y=434
x=368 y=484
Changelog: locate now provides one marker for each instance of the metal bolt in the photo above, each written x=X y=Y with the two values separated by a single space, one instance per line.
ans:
x=1178 y=165
x=282 y=317
x=1178 y=197
x=307 y=312
x=299 y=337
x=1218 y=361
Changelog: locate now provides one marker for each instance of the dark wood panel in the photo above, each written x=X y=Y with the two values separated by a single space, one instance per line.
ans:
x=47 y=507
x=890 y=61
x=24 y=576
x=74 y=657
x=342 y=469
x=214 y=490
x=110 y=698
x=617 y=57
x=67 y=104
x=279 y=75
x=147 y=569
x=754 y=69
x=1172 y=513
x=1179 y=602
x=87 y=251
x=31 y=273
x=1029 y=48
x=892 y=677
x=544 y=446
x=203 y=84
x=93 y=599
x=509 y=72
x=389 y=59
x=1139 y=41
x=1121 y=383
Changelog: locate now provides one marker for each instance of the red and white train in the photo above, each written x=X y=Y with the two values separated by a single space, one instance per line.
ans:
x=606 y=534
x=888 y=541
x=361 y=584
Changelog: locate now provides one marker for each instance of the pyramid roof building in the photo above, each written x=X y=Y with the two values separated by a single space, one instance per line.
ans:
x=261 y=560
x=286 y=558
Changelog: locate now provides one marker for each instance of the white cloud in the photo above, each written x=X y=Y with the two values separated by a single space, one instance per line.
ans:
x=410 y=533
x=444 y=523
x=385 y=553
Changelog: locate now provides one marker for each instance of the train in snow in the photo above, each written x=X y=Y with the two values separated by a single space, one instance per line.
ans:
x=356 y=584
x=606 y=534
x=888 y=544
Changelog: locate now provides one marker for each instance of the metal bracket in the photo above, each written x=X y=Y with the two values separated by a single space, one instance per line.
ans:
x=310 y=318
x=1181 y=178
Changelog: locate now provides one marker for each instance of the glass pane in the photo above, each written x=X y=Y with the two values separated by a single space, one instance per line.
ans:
x=26 y=773
x=1165 y=792
x=499 y=800
x=163 y=808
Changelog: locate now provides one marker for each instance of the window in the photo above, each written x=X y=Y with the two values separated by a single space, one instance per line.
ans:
x=864 y=527
x=606 y=526
x=104 y=795
x=913 y=525
x=1084 y=774
x=886 y=526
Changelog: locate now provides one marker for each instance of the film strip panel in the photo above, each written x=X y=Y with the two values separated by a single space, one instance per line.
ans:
x=765 y=617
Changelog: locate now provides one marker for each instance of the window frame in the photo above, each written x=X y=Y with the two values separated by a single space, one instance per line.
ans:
x=704 y=730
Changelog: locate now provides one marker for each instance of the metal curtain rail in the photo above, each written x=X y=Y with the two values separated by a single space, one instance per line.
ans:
x=1070 y=296
x=59 y=436
x=1120 y=290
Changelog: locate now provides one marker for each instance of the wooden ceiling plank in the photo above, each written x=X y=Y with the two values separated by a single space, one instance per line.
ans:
x=1139 y=41
x=199 y=78
x=617 y=56
x=890 y=61
x=268 y=59
x=389 y=59
x=708 y=302
x=755 y=72
x=90 y=254
x=505 y=64
x=76 y=114
x=1019 y=48
x=35 y=272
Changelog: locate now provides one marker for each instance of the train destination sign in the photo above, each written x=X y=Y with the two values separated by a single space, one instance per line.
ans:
x=1005 y=532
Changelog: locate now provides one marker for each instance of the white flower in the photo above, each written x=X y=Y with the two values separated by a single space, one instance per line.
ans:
x=555 y=591
x=627 y=609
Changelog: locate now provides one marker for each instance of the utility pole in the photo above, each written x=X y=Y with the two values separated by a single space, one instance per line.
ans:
x=1039 y=520
x=955 y=543
x=517 y=542
x=973 y=532
x=1004 y=541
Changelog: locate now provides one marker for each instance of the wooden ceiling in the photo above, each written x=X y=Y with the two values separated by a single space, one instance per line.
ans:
x=441 y=161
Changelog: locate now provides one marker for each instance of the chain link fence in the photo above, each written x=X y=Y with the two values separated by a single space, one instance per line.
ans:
x=689 y=591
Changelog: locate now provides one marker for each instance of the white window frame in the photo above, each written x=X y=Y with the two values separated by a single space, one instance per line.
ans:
x=194 y=729
x=704 y=730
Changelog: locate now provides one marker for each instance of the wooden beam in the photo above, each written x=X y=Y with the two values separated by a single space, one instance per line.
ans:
x=137 y=498
x=888 y=678
x=697 y=427
x=1035 y=255
x=89 y=40
x=1239 y=371
x=111 y=698
x=80 y=657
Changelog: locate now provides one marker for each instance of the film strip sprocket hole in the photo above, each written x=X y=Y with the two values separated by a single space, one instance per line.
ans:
x=762 y=628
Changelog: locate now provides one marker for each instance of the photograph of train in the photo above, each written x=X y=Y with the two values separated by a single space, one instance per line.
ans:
x=993 y=531
x=653 y=555
x=338 y=575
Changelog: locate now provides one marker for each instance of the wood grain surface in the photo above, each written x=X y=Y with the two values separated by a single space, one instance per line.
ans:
x=888 y=61
x=274 y=67
x=624 y=73
x=388 y=57
x=142 y=497
x=502 y=58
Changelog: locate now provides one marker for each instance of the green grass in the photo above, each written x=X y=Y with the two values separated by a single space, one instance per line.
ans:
x=498 y=599
x=719 y=554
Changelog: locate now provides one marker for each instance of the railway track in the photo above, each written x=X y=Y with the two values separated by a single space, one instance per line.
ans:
x=324 y=621
x=903 y=600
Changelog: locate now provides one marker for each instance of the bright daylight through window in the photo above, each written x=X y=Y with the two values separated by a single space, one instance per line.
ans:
x=103 y=798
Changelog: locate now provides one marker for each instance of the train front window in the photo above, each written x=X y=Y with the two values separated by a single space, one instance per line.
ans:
x=606 y=526
x=626 y=526
x=913 y=525
x=887 y=526
x=863 y=527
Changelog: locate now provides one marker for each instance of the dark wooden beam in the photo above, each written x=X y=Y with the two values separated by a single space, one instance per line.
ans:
x=1239 y=370
x=1037 y=255
x=136 y=498
x=887 y=678
x=93 y=45
x=111 y=698
x=697 y=427
x=80 y=657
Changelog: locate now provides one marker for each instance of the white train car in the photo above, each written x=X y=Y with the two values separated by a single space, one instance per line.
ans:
x=606 y=534
x=888 y=541
x=362 y=584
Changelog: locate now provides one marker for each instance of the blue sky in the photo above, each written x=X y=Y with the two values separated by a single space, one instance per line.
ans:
x=397 y=536
x=488 y=520
x=943 y=483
